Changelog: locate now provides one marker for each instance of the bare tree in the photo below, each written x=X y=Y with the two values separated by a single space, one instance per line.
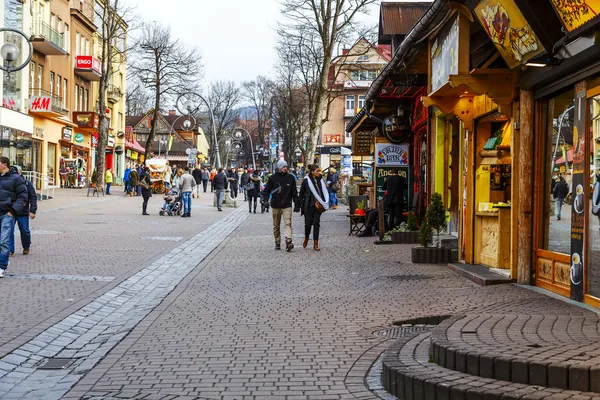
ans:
x=165 y=66
x=259 y=93
x=138 y=99
x=114 y=17
x=314 y=29
x=224 y=98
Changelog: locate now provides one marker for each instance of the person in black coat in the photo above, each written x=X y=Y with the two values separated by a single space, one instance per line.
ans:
x=146 y=191
x=244 y=179
x=219 y=184
x=313 y=186
x=253 y=189
x=560 y=193
x=22 y=217
x=197 y=174
x=394 y=186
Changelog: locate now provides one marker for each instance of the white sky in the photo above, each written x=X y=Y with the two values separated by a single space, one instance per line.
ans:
x=236 y=37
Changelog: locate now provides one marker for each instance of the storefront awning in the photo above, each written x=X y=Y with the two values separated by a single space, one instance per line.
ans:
x=135 y=145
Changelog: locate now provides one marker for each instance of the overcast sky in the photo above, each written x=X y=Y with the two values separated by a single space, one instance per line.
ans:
x=236 y=37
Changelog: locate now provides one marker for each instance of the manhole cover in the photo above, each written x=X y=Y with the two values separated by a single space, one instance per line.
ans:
x=409 y=277
x=395 y=332
x=56 y=363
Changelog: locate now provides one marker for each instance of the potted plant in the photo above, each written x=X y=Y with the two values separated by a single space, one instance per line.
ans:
x=93 y=180
x=435 y=219
x=407 y=232
x=360 y=208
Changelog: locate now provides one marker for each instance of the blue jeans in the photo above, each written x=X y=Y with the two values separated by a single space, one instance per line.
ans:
x=220 y=196
x=333 y=200
x=6 y=226
x=187 y=202
x=559 y=203
x=23 y=222
x=127 y=187
x=108 y=188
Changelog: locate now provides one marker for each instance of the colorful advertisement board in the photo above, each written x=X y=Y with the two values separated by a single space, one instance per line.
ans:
x=383 y=172
x=391 y=155
x=576 y=13
x=509 y=30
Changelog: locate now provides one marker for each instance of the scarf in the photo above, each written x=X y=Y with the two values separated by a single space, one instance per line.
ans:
x=324 y=201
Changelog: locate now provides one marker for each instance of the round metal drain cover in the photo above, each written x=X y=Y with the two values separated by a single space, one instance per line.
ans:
x=395 y=332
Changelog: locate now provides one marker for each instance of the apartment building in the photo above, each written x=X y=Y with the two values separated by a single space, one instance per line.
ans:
x=350 y=76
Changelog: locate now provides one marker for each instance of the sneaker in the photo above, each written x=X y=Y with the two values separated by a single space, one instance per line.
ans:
x=12 y=253
x=1 y=273
x=289 y=245
x=25 y=251
x=277 y=246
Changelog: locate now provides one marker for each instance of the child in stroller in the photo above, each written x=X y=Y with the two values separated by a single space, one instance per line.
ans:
x=173 y=203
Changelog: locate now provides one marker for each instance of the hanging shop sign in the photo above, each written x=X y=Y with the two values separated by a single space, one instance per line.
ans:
x=578 y=205
x=95 y=139
x=509 y=30
x=332 y=139
x=120 y=135
x=87 y=120
x=119 y=150
x=576 y=13
x=444 y=55
x=79 y=138
x=67 y=133
x=391 y=155
x=111 y=141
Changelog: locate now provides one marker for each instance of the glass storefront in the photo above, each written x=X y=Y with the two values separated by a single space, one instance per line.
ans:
x=16 y=145
x=593 y=240
x=51 y=163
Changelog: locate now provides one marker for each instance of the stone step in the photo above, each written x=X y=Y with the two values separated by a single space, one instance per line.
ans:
x=549 y=350
x=479 y=274
x=409 y=374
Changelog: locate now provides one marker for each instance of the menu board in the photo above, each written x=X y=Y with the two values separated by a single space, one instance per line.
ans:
x=384 y=172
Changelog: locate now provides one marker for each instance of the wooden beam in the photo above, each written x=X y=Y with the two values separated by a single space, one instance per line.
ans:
x=499 y=86
x=491 y=60
x=462 y=107
x=525 y=187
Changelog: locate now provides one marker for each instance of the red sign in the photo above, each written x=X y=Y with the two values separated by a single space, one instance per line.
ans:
x=40 y=103
x=88 y=62
x=95 y=139
x=332 y=138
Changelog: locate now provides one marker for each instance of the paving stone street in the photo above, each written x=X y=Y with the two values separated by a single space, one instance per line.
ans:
x=205 y=308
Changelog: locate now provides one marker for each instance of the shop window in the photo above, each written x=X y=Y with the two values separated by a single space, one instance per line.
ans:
x=593 y=238
x=350 y=102
x=556 y=195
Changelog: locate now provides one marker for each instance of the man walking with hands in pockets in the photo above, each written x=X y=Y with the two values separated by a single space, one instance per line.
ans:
x=282 y=187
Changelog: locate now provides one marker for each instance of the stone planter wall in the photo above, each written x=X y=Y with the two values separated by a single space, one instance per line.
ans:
x=405 y=237
x=431 y=255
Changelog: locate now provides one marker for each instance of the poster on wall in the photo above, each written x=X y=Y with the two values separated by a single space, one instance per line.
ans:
x=444 y=55
x=576 y=13
x=391 y=155
x=509 y=30
x=384 y=172
x=578 y=205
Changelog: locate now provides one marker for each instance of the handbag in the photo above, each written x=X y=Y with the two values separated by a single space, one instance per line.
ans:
x=143 y=184
x=336 y=187
x=319 y=207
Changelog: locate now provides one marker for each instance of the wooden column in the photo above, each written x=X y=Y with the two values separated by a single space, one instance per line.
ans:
x=525 y=187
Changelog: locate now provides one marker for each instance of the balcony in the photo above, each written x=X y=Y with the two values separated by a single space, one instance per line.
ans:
x=46 y=40
x=44 y=102
x=88 y=67
x=113 y=94
x=350 y=112
x=357 y=84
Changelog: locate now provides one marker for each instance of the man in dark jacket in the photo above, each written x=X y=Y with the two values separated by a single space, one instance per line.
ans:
x=233 y=178
x=220 y=185
x=560 y=192
x=395 y=185
x=13 y=200
x=244 y=179
x=22 y=218
x=197 y=174
x=282 y=187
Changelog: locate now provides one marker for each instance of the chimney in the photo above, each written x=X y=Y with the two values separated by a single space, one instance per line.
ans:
x=172 y=112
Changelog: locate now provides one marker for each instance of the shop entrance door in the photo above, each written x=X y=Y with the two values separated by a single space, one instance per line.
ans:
x=592 y=183
x=552 y=210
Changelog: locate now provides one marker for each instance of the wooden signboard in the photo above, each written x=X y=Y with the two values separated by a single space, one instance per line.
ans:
x=576 y=13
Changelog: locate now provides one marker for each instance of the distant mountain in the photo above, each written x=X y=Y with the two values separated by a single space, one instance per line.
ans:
x=248 y=112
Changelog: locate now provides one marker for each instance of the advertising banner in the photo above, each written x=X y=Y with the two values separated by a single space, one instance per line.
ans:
x=384 y=172
x=391 y=155
x=578 y=194
x=575 y=14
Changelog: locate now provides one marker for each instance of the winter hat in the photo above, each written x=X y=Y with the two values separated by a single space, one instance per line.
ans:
x=281 y=164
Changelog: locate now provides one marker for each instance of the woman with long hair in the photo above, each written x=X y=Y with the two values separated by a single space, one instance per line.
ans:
x=145 y=182
x=314 y=199
x=253 y=189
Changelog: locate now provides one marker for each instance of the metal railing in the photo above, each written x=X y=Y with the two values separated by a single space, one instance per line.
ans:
x=42 y=29
x=44 y=184
x=56 y=104
x=114 y=93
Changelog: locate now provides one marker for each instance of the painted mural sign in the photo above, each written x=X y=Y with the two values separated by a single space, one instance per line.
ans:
x=383 y=172
x=391 y=155
x=507 y=27
x=576 y=13
x=444 y=55
x=578 y=205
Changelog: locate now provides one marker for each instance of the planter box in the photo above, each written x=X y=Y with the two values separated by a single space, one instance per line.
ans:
x=405 y=237
x=431 y=255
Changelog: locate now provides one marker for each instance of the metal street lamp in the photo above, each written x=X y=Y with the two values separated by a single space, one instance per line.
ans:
x=190 y=108
x=238 y=134
x=10 y=52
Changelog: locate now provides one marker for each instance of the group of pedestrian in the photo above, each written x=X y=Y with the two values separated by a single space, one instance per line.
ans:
x=18 y=204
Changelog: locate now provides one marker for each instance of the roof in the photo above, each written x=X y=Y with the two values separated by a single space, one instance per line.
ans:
x=398 y=18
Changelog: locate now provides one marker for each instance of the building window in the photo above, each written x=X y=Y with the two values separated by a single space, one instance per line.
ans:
x=65 y=91
x=87 y=47
x=350 y=103
x=40 y=74
x=58 y=81
x=67 y=39
x=363 y=58
x=85 y=100
x=31 y=75
x=53 y=21
x=77 y=43
x=361 y=101
x=51 y=83
x=120 y=121
x=363 y=75
x=76 y=107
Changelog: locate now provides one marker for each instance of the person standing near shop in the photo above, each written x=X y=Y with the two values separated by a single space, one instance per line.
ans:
x=109 y=180
x=253 y=189
x=197 y=174
x=126 y=182
x=186 y=187
x=333 y=186
x=233 y=178
x=145 y=184
x=205 y=178
x=133 y=182
x=168 y=177
x=244 y=179
x=314 y=199
x=213 y=173
x=13 y=200
x=394 y=187
x=560 y=192
x=282 y=187
x=219 y=183
x=22 y=218
x=140 y=170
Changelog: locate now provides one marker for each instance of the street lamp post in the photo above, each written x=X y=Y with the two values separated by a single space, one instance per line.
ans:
x=186 y=125
x=10 y=53
x=230 y=144
x=239 y=131
x=191 y=108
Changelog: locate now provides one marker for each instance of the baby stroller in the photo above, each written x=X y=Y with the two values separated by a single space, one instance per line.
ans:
x=174 y=204
x=264 y=201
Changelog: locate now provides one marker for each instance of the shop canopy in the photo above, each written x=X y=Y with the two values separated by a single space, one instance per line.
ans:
x=135 y=146
x=561 y=160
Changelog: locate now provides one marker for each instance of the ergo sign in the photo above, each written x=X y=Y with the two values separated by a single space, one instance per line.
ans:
x=88 y=62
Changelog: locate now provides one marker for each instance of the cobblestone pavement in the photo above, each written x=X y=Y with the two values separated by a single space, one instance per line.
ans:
x=76 y=239
x=253 y=323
